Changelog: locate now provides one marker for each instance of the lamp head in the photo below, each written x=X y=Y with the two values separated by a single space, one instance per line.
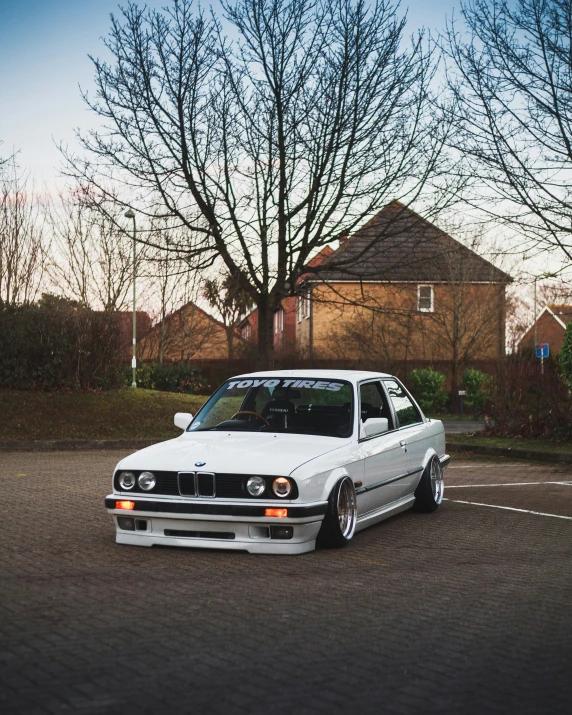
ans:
x=130 y=214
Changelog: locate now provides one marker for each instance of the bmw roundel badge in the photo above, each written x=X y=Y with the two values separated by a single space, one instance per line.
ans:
x=200 y=464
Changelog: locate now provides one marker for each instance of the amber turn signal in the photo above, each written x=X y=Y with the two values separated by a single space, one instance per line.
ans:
x=280 y=513
x=131 y=505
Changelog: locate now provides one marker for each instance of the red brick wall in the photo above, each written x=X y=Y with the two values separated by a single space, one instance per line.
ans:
x=548 y=330
x=289 y=343
x=284 y=344
x=125 y=322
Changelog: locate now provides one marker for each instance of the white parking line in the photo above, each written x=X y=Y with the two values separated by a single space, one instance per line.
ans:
x=480 y=466
x=506 y=484
x=510 y=508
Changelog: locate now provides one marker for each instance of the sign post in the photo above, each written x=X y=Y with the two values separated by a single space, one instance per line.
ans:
x=542 y=351
x=462 y=394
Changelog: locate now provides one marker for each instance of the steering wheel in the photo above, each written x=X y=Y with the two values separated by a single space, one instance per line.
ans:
x=249 y=412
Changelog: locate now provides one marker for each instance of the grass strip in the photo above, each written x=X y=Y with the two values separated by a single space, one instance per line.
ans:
x=538 y=445
x=114 y=414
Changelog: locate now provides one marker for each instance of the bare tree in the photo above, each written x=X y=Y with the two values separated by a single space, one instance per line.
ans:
x=93 y=258
x=469 y=317
x=378 y=326
x=512 y=80
x=172 y=282
x=226 y=295
x=555 y=292
x=22 y=238
x=3 y=160
x=519 y=316
x=270 y=146
x=182 y=330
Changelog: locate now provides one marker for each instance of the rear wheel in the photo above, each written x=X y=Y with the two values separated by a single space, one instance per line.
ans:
x=339 y=523
x=429 y=492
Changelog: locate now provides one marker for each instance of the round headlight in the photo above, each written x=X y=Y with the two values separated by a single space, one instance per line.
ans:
x=255 y=486
x=281 y=487
x=127 y=480
x=146 y=481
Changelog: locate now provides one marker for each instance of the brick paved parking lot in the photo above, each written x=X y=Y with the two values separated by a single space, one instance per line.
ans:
x=468 y=610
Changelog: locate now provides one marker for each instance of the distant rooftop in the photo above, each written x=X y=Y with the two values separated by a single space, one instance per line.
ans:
x=562 y=311
x=399 y=245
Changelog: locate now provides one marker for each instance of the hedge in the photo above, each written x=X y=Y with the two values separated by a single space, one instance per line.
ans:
x=58 y=344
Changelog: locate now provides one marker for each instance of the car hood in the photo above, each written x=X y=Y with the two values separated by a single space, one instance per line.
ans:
x=235 y=453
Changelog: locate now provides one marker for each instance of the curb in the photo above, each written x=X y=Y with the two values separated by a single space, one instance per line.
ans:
x=509 y=452
x=75 y=445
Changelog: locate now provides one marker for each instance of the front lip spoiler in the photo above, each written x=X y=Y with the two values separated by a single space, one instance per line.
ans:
x=148 y=505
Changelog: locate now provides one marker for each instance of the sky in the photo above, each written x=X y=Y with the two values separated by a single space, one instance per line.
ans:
x=44 y=48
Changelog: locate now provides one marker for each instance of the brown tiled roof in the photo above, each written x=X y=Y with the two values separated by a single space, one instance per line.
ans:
x=399 y=245
x=564 y=312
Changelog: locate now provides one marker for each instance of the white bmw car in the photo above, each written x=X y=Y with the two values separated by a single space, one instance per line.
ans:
x=275 y=462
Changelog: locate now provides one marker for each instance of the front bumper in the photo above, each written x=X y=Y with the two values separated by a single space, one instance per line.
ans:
x=216 y=525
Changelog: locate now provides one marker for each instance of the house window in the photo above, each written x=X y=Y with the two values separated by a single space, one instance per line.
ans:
x=303 y=305
x=245 y=332
x=425 y=299
x=278 y=321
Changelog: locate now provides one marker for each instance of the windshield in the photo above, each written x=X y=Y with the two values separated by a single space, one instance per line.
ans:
x=291 y=405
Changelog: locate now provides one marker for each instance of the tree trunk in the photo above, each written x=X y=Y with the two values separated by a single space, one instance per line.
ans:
x=161 y=340
x=265 y=356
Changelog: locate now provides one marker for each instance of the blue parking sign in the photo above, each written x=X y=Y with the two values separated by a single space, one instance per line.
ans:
x=542 y=350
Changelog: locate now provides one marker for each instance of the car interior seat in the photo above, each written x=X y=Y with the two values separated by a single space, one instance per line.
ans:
x=368 y=411
x=279 y=413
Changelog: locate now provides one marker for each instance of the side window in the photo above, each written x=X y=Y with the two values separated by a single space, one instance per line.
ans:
x=425 y=299
x=407 y=413
x=279 y=321
x=373 y=403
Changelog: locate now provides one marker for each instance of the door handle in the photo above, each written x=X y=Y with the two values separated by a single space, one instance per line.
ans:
x=403 y=443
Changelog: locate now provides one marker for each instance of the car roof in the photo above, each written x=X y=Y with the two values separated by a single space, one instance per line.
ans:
x=349 y=375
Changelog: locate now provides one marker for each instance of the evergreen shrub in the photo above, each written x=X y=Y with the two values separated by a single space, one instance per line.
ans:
x=56 y=344
x=170 y=377
x=427 y=388
x=475 y=385
x=565 y=357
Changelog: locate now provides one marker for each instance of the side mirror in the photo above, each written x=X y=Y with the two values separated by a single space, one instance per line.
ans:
x=376 y=425
x=183 y=420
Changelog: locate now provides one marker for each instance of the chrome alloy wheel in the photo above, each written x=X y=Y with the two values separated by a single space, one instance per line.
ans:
x=347 y=508
x=437 y=485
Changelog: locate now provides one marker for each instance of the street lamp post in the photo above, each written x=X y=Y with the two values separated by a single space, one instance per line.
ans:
x=131 y=214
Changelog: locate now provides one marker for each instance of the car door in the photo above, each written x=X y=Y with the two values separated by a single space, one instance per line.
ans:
x=411 y=429
x=384 y=456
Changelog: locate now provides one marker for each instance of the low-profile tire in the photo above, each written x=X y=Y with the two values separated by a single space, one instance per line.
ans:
x=429 y=492
x=339 y=523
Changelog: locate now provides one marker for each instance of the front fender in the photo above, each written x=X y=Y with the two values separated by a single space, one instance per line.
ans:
x=317 y=487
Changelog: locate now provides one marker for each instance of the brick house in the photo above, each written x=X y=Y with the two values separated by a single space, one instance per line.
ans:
x=125 y=325
x=188 y=333
x=398 y=289
x=287 y=321
x=550 y=328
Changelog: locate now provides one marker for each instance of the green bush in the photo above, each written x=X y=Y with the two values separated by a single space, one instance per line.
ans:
x=565 y=357
x=172 y=377
x=475 y=383
x=427 y=388
x=58 y=344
